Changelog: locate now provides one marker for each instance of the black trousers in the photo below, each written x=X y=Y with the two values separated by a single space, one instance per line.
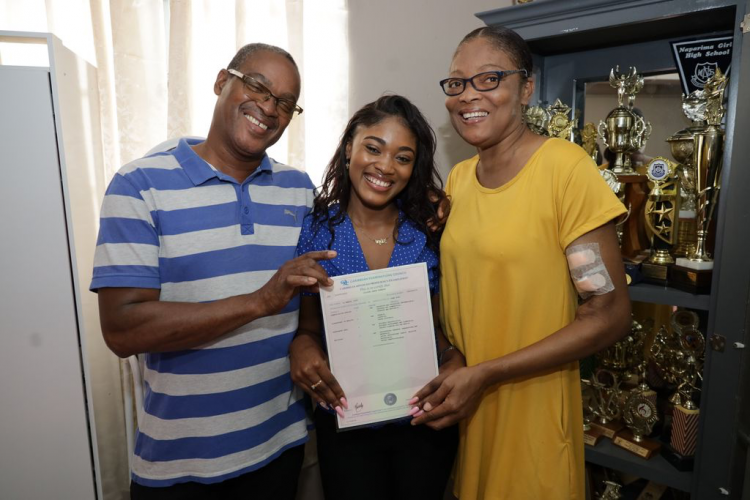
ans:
x=276 y=481
x=392 y=462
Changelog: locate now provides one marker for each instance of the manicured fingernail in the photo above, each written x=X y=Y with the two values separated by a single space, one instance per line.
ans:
x=323 y=405
x=419 y=413
x=413 y=400
x=414 y=410
x=311 y=280
x=340 y=411
x=344 y=402
x=427 y=407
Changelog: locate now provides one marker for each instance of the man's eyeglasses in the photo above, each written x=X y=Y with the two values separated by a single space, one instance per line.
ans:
x=483 y=82
x=287 y=107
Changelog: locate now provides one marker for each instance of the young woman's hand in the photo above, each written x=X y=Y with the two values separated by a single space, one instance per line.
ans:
x=310 y=371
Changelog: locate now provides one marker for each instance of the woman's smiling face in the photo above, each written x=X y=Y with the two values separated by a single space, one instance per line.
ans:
x=484 y=118
x=381 y=160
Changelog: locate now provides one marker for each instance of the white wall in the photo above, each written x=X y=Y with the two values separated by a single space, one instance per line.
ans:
x=405 y=47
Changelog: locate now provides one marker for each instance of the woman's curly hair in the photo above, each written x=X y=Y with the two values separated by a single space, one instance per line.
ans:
x=414 y=200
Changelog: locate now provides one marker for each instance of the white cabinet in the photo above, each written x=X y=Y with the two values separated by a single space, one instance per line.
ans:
x=47 y=439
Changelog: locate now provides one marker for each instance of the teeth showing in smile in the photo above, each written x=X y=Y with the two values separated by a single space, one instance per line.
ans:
x=256 y=122
x=475 y=114
x=377 y=182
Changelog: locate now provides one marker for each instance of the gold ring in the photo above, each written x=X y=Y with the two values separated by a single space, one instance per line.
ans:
x=316 y=384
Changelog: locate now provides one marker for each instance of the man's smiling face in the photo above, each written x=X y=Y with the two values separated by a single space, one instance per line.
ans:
x=248 y=124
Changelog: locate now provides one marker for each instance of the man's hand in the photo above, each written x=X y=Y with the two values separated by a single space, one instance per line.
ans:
x=302 y=272
x=455 y=398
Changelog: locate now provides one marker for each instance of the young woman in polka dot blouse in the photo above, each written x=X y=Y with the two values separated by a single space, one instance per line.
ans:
x=373 y=209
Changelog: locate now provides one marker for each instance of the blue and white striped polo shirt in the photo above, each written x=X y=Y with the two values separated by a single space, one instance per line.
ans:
x=172 y=222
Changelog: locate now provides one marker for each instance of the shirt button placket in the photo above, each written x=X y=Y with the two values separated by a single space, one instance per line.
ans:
x=246 y=221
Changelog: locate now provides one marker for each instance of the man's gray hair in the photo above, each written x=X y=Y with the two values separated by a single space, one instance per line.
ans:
x=251 y=48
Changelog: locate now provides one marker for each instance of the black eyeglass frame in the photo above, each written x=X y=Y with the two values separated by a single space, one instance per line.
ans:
x=266 y=94
x=500 y=75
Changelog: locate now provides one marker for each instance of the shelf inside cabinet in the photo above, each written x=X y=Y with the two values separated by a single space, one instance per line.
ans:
x=659 y=294
x=656 y=469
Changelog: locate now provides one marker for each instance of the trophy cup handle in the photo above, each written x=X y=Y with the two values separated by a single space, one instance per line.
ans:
x=626 y=216
x=687 y=178
x=602 y=129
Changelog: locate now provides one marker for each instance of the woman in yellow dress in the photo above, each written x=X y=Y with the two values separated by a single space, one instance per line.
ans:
x=530 y=231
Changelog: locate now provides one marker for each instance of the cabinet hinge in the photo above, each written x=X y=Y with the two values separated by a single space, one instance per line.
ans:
x=745 y=24
x=717 y=342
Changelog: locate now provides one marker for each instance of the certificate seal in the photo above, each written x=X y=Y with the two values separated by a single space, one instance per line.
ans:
x=390 y=399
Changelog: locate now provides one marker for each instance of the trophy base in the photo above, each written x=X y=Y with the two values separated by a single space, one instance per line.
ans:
x=696 y=265
x=684 y=435
x=690 y=280
x=608 y=430
x=655 y=273
x=634 y=237
x=633 y=273
x=646 y=448
x=680 y=462
x=592 y=436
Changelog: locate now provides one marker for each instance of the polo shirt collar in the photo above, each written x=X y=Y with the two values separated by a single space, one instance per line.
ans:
x=199 y=171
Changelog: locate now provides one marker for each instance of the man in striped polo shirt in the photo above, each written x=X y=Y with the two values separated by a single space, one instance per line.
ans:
x=195 y=268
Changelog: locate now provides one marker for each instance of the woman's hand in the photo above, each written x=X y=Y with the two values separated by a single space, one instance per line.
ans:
x=310 y=371
x=452 y=399
x=453 y=361
x=442 y=208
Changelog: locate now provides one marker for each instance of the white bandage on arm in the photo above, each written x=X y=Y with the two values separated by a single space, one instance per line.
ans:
x=587 y=270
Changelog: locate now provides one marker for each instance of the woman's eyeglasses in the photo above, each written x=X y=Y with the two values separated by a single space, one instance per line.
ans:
x=482 y=82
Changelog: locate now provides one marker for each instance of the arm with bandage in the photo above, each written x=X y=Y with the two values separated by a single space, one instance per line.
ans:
x=602 y=318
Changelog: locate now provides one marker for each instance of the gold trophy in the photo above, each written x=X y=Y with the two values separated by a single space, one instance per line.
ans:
x=591 y=435
x=625 y=132
x=639 y=411
x=605 y=402
x=661 y=215
x=559 y=124
x=694 y=272
x=672 y=352
x=588 y=141
x=669 y=359
x=639 y=332
x=537 y=119
x=688 y=367
x=640 y=416
x=681 y=145
x=602 y=393
x=625 y=356
x=611 y=491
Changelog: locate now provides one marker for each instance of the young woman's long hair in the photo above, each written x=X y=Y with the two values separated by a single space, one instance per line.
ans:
x=414 y=200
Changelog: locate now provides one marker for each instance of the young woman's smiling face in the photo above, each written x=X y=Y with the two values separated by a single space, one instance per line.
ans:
x=381 y=160
x=484 y=118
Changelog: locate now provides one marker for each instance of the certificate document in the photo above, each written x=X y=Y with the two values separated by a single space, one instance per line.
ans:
x=381 y=340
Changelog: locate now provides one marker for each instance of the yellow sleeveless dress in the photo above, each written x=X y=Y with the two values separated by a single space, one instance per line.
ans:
x=505 y=285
